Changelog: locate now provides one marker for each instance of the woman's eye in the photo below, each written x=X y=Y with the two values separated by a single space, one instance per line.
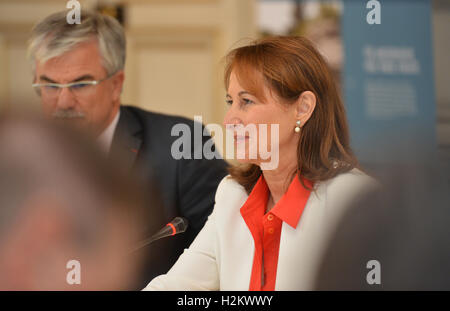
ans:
x=247 y=101
x=229 y=102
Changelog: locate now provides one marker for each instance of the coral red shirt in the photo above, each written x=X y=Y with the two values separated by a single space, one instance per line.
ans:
x=266 y=227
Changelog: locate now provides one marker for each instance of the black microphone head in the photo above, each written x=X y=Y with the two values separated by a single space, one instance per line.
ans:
x=177 y=225
x=180 y=224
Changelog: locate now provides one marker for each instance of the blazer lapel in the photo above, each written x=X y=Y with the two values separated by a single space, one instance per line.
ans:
x=127 y=139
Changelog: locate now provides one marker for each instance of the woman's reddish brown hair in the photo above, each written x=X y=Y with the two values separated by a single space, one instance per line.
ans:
x=289 y=66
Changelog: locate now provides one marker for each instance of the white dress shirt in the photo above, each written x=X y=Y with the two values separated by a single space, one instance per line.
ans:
x=105 y=139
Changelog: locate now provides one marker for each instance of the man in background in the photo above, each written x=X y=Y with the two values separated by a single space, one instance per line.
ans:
x=68 y=219
x=79 y=73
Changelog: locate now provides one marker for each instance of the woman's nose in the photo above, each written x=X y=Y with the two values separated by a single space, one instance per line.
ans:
x=231 y=118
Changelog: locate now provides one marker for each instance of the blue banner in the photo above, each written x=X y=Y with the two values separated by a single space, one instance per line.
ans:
x=388 y=79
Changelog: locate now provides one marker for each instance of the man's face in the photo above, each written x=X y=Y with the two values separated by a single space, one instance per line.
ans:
x=93 y=108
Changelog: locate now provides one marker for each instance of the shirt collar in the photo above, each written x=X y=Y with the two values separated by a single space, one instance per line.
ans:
x=291 y=205
x=105 y=139
x=289 y=208
x=257 y=198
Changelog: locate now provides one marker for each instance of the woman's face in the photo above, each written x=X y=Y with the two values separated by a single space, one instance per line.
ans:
x=259 y=117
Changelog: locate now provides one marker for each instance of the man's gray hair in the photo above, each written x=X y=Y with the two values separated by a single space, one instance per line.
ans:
x=53 y=36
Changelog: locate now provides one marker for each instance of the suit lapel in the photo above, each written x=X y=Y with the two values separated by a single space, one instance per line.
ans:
x=127 y=139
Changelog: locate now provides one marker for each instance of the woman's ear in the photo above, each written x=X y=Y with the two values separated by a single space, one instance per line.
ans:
x=305 y=105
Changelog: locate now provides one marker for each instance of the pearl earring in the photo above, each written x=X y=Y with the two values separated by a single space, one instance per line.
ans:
x=297 y=128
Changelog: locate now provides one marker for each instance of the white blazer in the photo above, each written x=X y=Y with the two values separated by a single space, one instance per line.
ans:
x=221 y=256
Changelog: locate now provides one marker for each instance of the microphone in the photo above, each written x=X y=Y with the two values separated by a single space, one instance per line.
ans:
x=176 y=226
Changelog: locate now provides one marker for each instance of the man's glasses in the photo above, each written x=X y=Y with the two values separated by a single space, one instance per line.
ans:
x=79 y=89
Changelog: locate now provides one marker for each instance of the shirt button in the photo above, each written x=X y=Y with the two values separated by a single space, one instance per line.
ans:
x=271 y=230
x=270 y=217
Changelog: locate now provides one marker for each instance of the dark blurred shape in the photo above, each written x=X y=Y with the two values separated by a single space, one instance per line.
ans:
x=405 y=227
x=61 y=200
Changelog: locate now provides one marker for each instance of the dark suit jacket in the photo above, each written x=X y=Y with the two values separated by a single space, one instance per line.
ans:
x=187 y=187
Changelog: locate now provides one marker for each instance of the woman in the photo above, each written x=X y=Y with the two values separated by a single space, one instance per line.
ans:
x=269 y=226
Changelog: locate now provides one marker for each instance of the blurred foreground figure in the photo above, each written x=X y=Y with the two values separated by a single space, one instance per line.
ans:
x=405 y=228
x=61 y=202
